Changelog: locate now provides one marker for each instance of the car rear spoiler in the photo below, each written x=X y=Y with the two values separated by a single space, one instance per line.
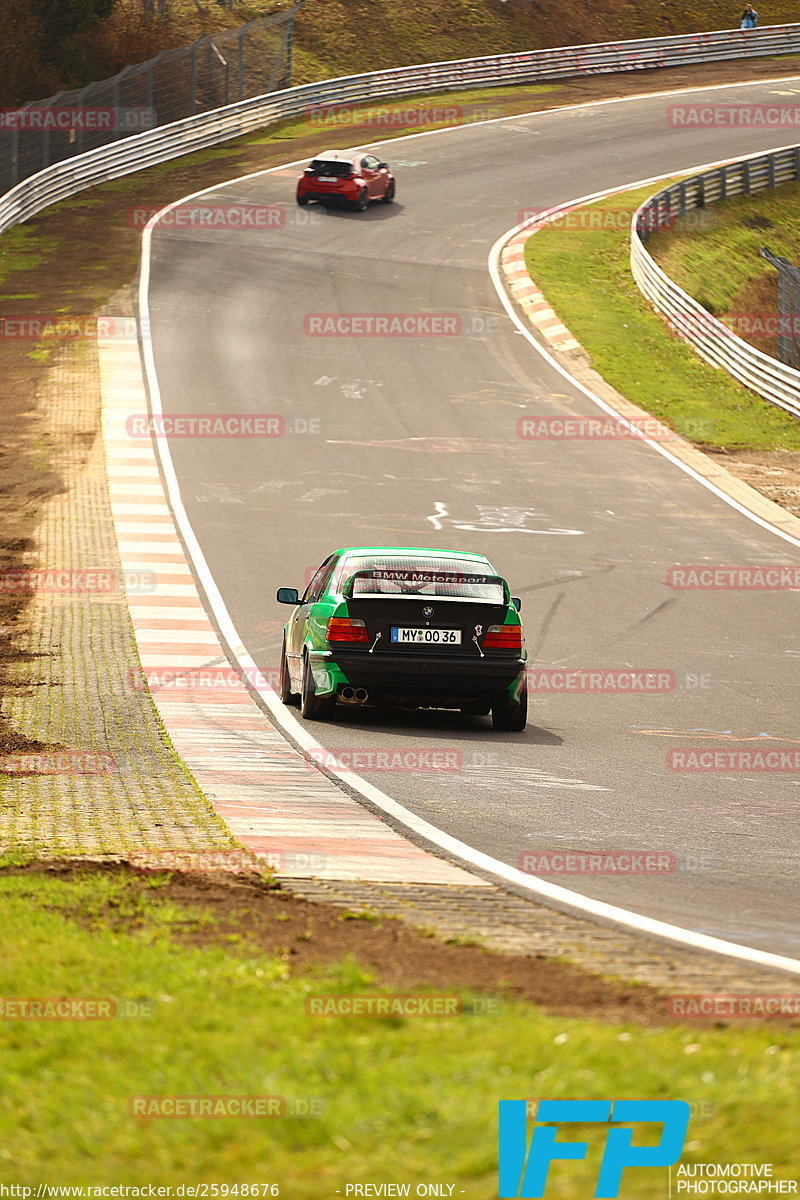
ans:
x=398 y=575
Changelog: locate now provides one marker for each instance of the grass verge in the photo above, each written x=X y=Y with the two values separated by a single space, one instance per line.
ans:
x=396 y=1098
x=582 y=267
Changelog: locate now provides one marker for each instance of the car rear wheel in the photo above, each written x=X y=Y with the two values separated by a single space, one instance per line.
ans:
x=361 y=203
x=511 y=717
x=388 y=196
x=302 y=201
x=312 y=706
x=287 y=696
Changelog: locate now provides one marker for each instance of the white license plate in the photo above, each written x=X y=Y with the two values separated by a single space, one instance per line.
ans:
x=427 y=637
x=327 y=179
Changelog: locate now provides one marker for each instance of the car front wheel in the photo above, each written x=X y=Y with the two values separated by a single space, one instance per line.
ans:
x=388 y=195
x=312 y=706
x=512 y=717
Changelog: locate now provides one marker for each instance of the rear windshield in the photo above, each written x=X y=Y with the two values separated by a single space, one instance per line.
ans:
x=321 y=167
x=394 y=576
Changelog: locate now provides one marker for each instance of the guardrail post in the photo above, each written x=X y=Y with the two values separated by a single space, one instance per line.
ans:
x=14 y=156
x=115 y=105
x=723 y=183
x=701 y=192
x=240 y=65
x=788 y=307
x=77 y=139
x=746 y=178
x=682 y=194
x=771 y=169
x=149 y=92
x=193 y=81
x=289 y=48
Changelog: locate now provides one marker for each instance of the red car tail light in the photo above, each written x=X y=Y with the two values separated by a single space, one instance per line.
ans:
x=503 y=637
x=343 y=629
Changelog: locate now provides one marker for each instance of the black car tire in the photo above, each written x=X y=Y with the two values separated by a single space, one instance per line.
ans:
x=312 y=706
x=302 y=201
x=388 y=196
x=511 y=717
x=287 y=696
x=360 y=205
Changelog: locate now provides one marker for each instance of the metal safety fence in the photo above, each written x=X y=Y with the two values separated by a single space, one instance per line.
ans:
x=787 y=335
x=214 y=71
x=716 y=342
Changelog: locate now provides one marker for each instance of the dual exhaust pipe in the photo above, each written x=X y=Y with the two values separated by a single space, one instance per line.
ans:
x=352 y=695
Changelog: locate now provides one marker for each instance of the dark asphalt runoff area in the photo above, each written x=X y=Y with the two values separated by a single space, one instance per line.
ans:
x=413 y=441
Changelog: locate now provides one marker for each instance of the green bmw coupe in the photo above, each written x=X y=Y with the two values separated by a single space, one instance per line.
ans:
x=405 y=626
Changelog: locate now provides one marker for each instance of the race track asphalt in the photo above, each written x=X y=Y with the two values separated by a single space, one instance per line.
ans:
x=413 y=441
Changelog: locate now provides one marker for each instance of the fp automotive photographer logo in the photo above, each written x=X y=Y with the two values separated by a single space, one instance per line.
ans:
x=524 y=1167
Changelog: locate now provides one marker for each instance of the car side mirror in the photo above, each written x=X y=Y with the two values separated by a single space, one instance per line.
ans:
x=383 y=166
x=515 y=600
x=288 y=596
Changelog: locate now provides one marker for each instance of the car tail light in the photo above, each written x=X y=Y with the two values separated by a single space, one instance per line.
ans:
x=343 y=629
x=503 y=637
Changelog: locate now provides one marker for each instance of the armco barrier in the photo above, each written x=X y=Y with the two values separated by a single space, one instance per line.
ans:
x=775 y=381
x=139 y=151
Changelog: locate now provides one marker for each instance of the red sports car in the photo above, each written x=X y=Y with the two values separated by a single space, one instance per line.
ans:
x=338 y=176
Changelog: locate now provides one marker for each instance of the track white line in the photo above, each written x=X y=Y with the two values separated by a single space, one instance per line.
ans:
x=286 y=720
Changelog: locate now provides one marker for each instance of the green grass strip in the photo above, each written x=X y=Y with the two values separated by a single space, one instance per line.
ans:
x=401 y=1100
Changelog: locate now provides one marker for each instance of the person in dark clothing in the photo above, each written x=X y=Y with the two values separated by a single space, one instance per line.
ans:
x=749 y=18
